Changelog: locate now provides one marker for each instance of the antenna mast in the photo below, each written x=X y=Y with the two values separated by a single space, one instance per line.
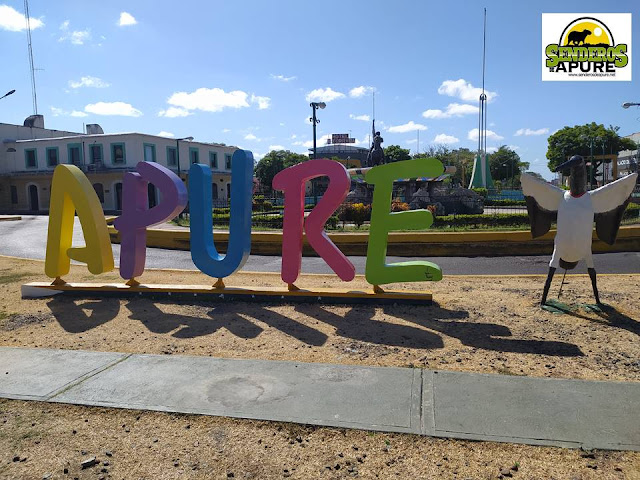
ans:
x=482 y=118
x=33 y=73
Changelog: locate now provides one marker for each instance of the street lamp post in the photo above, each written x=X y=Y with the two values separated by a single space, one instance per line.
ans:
x=189 y=139
x=10 y=92
x=506 y=164
x=315 y=106
x=630 y=104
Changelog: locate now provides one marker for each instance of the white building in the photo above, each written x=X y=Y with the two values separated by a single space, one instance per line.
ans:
x=629 y=160
x=29 y=154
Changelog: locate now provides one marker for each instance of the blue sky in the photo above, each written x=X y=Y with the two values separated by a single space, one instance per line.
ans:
x=243 y=72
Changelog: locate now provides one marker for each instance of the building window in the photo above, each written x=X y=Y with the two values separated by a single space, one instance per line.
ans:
x=74 y=153
x=149 y=152
x=172 y=156
x=14 y=194
x=213 y=160
x=31 y=158
x=95 y=153
x=194 y=155
x=214 y=191
x=118 y=155
x=52 y=156
x=227 y=161
x=99 y=191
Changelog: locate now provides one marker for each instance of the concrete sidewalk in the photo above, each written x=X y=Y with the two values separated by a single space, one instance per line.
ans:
x=536 y=411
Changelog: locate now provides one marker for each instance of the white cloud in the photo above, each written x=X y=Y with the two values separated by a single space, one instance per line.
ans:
x=407 y=127
x=364 y=118
x=282 y=78
x=174 y=112
x=226 y=130
x=464 y=90
x=76 y=37
x=126 y=19
x=166 y=134
x=80 y=37
x=453 y=110
x=60 y=112
x=491 y=135
x=14 y=21
x=210 y=100
x=319 y=141
x=251 y=136
x=113 y=108
x=528 y=132
x=89 y=81
x=360 y=91
x=263 y=102
x=276 y=147
x=323 y=95
x=492 y=149
x=446 y=139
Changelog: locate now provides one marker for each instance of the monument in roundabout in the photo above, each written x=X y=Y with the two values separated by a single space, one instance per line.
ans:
x=72 y=192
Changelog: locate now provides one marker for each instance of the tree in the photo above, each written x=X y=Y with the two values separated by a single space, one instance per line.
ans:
x=585 y=140
x=537 y=175
x=505 y=165
x=394 y=153
x=273 y=162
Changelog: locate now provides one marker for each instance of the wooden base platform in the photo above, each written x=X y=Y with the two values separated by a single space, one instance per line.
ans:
x=279 y=294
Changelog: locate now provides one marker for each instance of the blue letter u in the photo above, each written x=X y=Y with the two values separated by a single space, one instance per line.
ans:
x=203 y=250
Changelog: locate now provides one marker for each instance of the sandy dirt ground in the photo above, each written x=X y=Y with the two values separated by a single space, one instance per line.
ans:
x=476 y=324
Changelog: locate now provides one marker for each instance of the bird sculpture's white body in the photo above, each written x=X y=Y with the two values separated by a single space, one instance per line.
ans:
x=573 y=240
x=576 y=213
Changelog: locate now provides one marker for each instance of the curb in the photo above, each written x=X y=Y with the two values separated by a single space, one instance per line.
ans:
x=420 y=244
x=9 y=218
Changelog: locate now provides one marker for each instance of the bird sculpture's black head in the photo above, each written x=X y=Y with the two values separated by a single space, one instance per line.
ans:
x=578 y=174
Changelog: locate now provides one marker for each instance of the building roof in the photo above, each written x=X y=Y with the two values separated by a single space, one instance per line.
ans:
x=100 y=135
x=340 y=147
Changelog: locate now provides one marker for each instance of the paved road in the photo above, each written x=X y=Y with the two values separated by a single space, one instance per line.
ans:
x=27 y=238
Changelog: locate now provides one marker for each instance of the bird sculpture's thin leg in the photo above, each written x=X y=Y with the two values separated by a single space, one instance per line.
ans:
x=592 y=274
x=547 y=285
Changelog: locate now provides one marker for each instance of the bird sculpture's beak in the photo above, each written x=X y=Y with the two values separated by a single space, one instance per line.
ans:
x=572 y=162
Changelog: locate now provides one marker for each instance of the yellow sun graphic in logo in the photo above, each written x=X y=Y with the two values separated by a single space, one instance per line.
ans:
x=586 y=32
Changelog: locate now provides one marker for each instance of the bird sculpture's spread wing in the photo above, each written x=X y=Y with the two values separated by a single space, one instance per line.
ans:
x=542 y=200
x=609 y=203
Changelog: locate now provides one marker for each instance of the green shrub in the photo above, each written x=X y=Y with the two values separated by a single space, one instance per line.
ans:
x=632 y=210
x=504 y=203
x=332 y=222
x=498 y=220
x=483 y=192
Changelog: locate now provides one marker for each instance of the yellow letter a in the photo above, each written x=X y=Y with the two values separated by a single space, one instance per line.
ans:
x=71 y=191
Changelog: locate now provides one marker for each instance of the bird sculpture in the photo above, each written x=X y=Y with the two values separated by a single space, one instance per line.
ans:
x=575 y=211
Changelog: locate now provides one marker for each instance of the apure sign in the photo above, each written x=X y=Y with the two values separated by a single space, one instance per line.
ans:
x=72 y=192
